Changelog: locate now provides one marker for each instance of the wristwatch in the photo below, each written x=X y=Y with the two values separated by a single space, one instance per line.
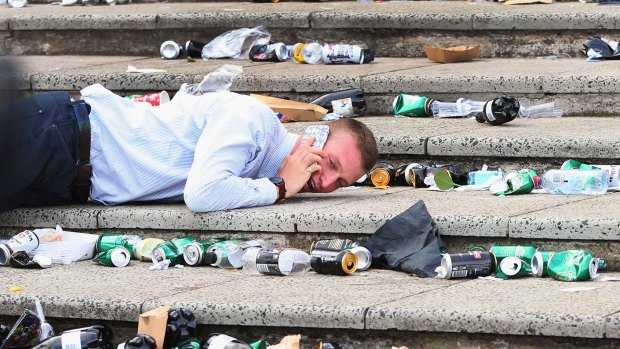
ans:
x=279 y=182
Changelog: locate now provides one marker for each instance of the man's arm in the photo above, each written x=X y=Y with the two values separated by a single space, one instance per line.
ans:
x=223 y=151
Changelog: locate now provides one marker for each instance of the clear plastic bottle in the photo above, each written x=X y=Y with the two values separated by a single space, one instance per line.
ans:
x=307 y=53
x=288 y=261
x=96 y=336
x=585 y=182
x=551 y=109
x=461 y=108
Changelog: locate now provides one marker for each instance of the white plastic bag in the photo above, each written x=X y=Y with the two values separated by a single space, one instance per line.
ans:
x=235 y=43
x=220 y=79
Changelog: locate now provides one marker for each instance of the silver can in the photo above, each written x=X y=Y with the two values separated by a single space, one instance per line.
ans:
x=26 y=241
x=364 y=258
x=171 y=50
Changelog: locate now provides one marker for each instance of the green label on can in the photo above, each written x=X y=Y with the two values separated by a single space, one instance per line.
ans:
x=523 y=253
x=115 y=257
x=108 y=241
x=572 y=265
x=410 y=105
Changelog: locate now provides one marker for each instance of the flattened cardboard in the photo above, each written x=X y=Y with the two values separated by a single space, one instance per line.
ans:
x=452 y=54
x=153 y=323
x=297 y=111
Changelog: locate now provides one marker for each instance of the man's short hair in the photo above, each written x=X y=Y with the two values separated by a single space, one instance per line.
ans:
x=366 y=141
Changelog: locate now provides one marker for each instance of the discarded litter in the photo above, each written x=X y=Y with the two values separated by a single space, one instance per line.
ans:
x=452 y=54
x=235 y=43
x=132 y=69
x=517 y=261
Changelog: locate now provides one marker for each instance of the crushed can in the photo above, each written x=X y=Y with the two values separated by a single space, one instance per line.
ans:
x=412 y=105
x=26 y=241
x=468 y=265
x=572 y=265
x=514 y=183
x=276 y=52
x=108 y=241
x=513 y=268
x=117 y=257
x=172 y=250
x=144 y=248
x=539 y=263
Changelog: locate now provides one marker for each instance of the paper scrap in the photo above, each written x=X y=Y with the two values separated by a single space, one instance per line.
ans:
x=132 y=69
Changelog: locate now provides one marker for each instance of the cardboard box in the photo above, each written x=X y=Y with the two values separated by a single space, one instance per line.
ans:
x=297 y=111
x=452 y=54
x=153 y=323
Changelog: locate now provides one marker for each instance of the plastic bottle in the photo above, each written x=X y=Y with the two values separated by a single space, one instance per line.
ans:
x=288 y=261
x=545 y=110
x=356 y=95
x=586 y=182
x=333 y=54
x=92 y=337
x=461 y=108
x=307 y=53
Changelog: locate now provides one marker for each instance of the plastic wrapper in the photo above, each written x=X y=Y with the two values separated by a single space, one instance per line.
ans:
x=220 y=79
x=236 y=43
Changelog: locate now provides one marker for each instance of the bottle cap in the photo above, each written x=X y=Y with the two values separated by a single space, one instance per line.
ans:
x=499 y=110
x=368 y=55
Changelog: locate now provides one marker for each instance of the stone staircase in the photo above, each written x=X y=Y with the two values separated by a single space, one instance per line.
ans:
x=68 y=48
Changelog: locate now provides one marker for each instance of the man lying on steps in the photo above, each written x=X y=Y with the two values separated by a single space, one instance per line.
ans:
x=217 y=151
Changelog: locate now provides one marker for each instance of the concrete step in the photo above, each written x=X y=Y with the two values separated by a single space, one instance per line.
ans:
x=463 y=218
x=583 y=88
x=393 y=29
x=372 y=309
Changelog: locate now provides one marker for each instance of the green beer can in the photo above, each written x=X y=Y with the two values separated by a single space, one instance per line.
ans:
x=572 y=265
x=412 y=105
x=108 y=241
x=515 y=183
x=519 y=262
x=540 y=263
x=172 y=250
x=194 y=252
x=115 y=257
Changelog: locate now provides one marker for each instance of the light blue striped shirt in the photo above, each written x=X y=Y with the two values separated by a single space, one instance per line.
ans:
x=214 y=151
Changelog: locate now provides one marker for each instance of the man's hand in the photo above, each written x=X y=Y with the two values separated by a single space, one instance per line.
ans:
x=297 y=168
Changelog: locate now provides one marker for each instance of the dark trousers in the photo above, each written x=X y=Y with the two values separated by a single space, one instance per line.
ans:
x=38 y=151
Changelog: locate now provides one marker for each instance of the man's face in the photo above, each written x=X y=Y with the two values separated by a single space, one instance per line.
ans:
x=341 y=166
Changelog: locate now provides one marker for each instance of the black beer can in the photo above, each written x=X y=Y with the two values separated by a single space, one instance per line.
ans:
x=333 y=262
x=468 y=265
